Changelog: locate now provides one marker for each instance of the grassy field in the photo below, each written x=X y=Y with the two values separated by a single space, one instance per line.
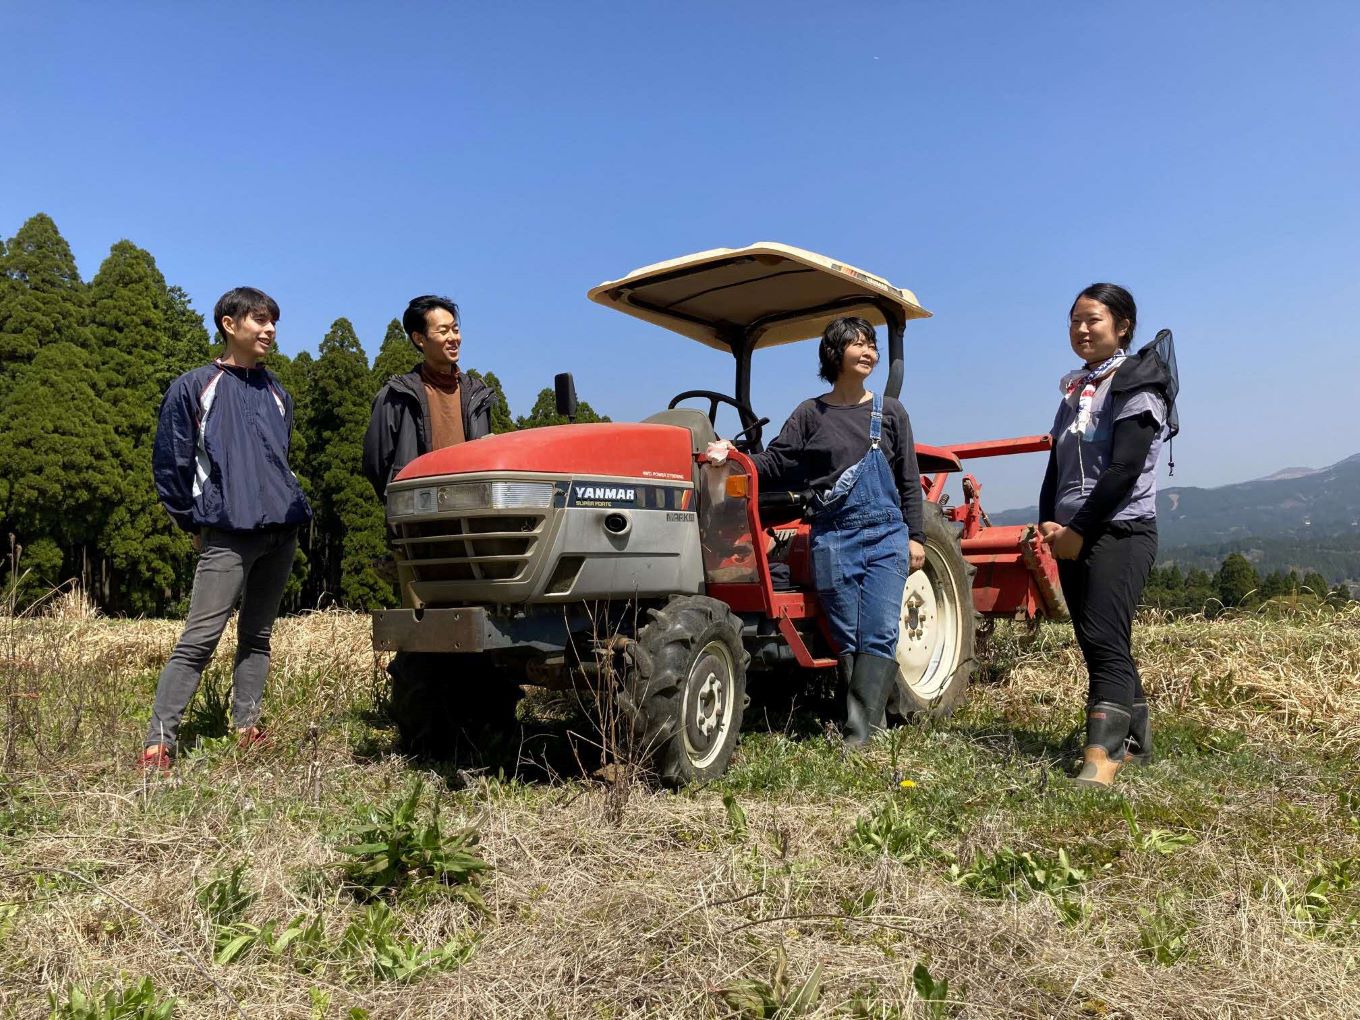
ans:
x=948 y=871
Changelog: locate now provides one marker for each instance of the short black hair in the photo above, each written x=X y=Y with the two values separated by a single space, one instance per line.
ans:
x=838 y=335
x=413 y=319
x=1118 y=300
x=241 y=301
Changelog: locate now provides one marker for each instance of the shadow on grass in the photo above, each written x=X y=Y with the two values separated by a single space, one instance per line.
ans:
x=563 y=736
x=1032 y=744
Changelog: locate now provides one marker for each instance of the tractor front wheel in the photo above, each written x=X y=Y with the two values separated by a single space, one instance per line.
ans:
x=935 y=643
x=684 y=691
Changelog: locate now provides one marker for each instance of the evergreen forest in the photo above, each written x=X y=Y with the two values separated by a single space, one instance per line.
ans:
x=83 y=366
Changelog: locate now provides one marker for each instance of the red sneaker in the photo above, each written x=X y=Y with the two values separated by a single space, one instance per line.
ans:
x=252 y=738
x=155 y=757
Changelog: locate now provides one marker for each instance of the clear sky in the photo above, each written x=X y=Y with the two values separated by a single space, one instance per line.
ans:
x=993 y=157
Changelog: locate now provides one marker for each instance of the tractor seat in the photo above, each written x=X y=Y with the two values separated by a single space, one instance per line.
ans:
x=700 y=428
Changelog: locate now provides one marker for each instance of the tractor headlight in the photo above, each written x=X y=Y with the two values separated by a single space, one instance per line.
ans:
x=517 y=495
x=401 y=503
x=463 y=496
x=495 y=495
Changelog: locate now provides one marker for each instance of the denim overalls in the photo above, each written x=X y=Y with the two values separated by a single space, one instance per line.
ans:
x=860 y=557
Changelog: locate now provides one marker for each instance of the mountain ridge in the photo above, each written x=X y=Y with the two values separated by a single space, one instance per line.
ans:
x=1296 y=503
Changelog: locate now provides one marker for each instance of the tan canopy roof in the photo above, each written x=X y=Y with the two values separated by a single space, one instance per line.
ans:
x=776 y=292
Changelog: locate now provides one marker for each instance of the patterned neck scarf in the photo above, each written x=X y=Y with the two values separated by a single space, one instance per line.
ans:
x=1084 y=382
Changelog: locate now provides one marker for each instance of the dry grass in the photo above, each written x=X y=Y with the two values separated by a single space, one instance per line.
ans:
x=666 y=907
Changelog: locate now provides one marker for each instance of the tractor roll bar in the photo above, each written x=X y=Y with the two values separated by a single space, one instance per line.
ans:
x=741 y=343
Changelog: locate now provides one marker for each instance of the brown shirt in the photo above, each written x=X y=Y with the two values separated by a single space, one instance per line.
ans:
x=445 y=397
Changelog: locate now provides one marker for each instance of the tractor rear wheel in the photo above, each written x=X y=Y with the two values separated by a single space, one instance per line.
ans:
x=684 y=690
x=453 y=707
x=935 y=644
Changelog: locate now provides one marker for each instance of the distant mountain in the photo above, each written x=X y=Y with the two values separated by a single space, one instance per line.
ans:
x=1296 y=503
x=1290 y=472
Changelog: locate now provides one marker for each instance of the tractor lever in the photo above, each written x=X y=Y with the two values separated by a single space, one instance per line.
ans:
x=759 y=423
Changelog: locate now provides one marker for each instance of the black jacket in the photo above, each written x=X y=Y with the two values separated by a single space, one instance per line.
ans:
x=399 y=430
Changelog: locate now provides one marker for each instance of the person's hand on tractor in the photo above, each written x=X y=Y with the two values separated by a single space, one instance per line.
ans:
x=1065 y=543
x=917 y=555
x=718 y=450
x=1047 y=528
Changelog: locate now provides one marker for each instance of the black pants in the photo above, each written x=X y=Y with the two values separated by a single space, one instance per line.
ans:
x=1102 y=587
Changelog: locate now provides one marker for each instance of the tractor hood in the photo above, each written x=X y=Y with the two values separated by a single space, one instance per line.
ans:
x=608 y=449
x=767 y=292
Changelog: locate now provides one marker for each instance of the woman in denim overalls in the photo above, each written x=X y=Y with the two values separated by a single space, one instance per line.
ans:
x=854 y=450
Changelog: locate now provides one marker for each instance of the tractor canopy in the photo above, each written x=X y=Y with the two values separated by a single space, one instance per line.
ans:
x=758 y=296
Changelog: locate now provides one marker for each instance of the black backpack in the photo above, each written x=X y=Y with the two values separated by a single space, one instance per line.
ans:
x=1154 y=367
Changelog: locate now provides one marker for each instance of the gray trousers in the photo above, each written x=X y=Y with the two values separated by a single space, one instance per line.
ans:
x=249 y=566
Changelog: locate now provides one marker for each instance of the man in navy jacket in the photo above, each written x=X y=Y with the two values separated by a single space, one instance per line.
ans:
x=221 y=470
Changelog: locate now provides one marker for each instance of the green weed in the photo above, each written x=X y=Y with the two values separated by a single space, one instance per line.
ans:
x=934 y=994
x=1349 y=802
x=225 y=899
x=210 y=713
x=896 y=830
x=1320 y=906
x=1006 y=872
x=771 y=762
x=1020 y=875
x=736 y=817
x=1163 y=934
x=19 y=815
x=303 y=936
x=863 y=1006
x=776 y=998
x=1157 y=841
x=393 y=850
x=139 y=1002
x=370 y=947
x=859 y=906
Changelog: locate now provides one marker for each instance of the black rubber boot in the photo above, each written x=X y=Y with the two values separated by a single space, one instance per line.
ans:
x=1107 y=730
x=845 y=675
x=867 y=698
x=1139 y=747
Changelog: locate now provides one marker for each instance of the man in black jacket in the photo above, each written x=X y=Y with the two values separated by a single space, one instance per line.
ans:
x=432 y=406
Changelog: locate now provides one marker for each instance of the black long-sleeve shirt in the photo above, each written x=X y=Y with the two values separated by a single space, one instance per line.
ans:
x=821 y=440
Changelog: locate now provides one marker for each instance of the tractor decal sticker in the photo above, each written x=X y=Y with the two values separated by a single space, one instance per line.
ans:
x=602 y=494
x=613 y=494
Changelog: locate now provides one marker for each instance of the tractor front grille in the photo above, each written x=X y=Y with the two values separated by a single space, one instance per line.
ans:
x=477 y=547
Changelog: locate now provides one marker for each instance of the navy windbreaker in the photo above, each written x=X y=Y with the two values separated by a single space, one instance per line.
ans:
x=221 y=453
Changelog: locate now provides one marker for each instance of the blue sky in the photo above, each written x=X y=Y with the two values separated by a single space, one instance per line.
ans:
x=994 y=158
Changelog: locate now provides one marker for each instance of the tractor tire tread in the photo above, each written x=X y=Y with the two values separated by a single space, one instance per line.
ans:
x=660 y=661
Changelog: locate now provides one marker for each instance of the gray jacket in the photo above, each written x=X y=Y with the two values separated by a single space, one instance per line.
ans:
x=399 y=430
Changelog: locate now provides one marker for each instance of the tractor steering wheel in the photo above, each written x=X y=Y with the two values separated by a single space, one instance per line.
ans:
x=752 y=426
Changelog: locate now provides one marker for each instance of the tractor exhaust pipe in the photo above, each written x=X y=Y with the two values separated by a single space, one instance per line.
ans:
x=564 y=388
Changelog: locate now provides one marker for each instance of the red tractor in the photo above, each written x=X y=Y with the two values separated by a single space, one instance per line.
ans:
x=526 y=556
